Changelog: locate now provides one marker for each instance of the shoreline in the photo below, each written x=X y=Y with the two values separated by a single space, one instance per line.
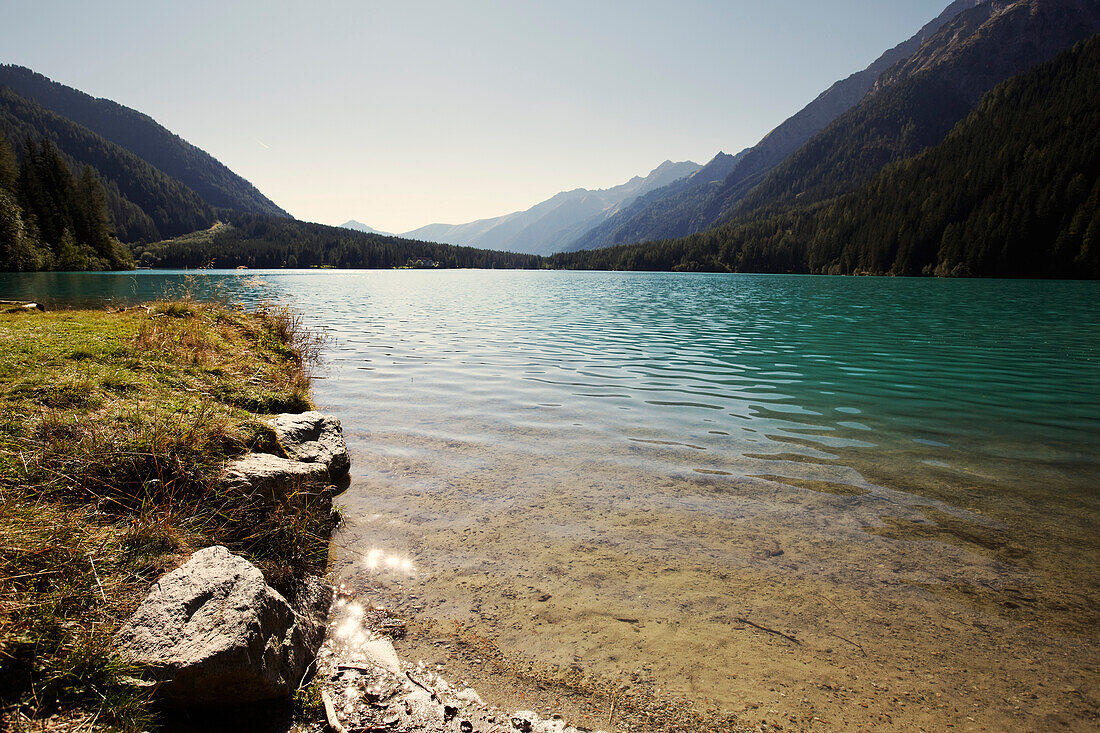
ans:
x=370 y=674
x=86 y=332
x=181 y=332
x=119 y=425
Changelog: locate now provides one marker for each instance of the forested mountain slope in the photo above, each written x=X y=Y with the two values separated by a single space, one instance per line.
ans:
x=678 y=210
x=51 y=219
x=145 y=203
x=1013 y=191
x=266 y=241
x=915 y=103
x=218 y=186
x=70 y=190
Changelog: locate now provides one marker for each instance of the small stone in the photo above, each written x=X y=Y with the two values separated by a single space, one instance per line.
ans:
x=393 y=627
x=380 y=653
x=469 y=695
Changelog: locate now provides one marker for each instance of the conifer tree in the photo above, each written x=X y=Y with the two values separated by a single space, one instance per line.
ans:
x=9 y=167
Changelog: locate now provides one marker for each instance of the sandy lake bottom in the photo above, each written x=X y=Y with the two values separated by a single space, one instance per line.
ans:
x=692 y=595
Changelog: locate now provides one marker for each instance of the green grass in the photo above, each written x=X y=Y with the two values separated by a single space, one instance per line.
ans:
x=113 y=427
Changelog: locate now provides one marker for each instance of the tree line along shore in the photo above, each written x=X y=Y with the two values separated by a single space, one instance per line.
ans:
x=1010 y=190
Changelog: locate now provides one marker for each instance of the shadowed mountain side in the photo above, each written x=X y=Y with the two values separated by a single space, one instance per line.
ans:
x=681 y=210
x=140 y=134
x=1013 y=191
x=145 y=203
x=918 y=101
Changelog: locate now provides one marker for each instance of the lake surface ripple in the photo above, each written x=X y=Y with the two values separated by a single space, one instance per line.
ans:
x=637 y=479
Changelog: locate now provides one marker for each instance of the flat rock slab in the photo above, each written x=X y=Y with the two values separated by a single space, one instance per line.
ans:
x=380 y=653
x=312 y=437
x=272 y=477
x=15 y=306
x=213 y=633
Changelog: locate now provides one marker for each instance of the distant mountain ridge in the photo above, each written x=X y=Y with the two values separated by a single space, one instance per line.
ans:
x=140 y=134
x=359 y=226
x=682 y=210
x=649 y=212
x=548 y=226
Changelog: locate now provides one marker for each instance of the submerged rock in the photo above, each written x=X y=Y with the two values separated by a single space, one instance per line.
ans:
x=312 y=437
x=213 y=633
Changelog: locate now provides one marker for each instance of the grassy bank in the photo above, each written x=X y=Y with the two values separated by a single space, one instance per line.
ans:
x=113 y=426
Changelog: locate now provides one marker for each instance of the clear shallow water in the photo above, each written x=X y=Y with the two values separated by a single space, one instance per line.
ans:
x=852 y=461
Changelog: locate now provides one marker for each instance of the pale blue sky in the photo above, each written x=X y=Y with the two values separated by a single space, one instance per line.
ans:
x=400 y=114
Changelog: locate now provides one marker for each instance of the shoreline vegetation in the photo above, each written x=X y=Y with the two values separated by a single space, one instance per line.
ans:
x=114 y=428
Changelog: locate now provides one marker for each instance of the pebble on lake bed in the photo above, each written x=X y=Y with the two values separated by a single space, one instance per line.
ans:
x=370 y=687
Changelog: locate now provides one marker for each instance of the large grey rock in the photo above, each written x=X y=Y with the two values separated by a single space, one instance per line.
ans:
x=213 y=633
x=274 y=478
x=313 y=438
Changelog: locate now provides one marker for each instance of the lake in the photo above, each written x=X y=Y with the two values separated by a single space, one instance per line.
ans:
x=844 y=502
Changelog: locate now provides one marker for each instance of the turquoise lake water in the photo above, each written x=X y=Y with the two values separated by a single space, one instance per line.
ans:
x=1003 y=370
x=684 y=450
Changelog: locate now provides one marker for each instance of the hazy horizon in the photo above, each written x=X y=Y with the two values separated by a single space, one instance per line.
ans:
x=400 y=115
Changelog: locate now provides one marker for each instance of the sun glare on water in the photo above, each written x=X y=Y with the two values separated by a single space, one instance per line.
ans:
x=378 y=561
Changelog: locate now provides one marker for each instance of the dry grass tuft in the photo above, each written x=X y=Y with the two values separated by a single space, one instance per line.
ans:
x=113 y=427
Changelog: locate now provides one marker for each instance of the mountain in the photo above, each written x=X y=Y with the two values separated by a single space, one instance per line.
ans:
x=71 y=189
x=1012 y=191
x=140 y=134
x=361 y=227
x=916 y=102
x=550 y=225
x=254 y=240
x=681 y=210
x=651 y=211
x=145 y=203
